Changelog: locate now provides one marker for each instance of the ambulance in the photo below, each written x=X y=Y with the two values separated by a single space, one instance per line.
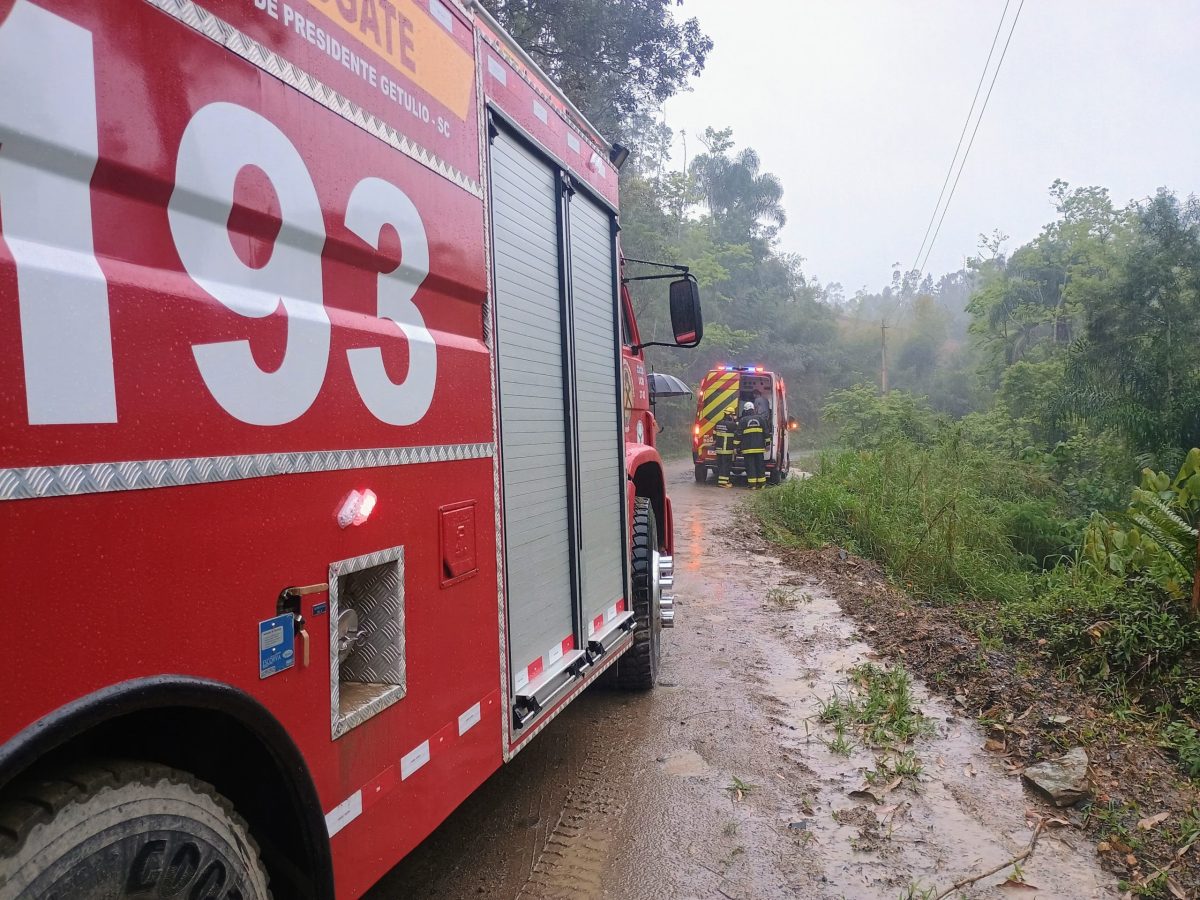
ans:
x=725 y=389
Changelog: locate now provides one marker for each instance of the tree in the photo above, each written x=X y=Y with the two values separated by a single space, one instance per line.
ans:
x=745 y=202
x=1137 y=367
x=1030 y=305
x=615 y=60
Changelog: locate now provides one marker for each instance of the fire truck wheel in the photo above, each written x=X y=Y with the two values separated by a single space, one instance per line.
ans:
x=701 y=474
x=638 y=669
x=125 y=829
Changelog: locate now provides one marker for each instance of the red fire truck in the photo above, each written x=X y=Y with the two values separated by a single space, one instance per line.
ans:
x=724 y=389
x=327 y=468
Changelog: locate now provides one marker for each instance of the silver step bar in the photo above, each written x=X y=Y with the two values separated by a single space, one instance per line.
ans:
x=666 y=584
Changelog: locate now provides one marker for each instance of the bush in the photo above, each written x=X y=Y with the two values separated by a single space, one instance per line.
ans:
x=935 y=517
x=1126 y=636
x=1037 y=531
x=1185 y=742
x=866 y=420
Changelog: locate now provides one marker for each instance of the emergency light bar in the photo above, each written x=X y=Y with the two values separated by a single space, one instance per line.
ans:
x=757 y=369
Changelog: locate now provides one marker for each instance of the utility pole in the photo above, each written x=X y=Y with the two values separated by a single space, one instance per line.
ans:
x=883 y=354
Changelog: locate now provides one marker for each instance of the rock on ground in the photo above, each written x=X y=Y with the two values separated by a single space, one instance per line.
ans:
x=1064 y=779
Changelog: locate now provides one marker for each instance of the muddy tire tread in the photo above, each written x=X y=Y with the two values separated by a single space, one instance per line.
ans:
x=636 y=668
x=36 y=800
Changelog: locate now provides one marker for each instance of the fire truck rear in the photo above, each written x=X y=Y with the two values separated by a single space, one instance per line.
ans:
x=328 y=471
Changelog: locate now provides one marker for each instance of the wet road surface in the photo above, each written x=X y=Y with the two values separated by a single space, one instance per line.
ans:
x=720 y=783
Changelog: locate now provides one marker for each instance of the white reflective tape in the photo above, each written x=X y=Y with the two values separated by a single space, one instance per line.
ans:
x=540 y=112
x=572 y=142
x=591 y=627
x=521 y=678
x=496 y=70
x=414 y=759
x=610 y=613
x=554 y=654
x=344 y=813
x=469 y=719
x=442 y=14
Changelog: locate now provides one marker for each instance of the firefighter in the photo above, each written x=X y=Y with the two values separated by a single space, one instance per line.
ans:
x=724 y=434
x=751 y=441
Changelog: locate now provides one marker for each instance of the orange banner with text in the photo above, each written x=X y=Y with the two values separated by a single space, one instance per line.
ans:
x=406 y=36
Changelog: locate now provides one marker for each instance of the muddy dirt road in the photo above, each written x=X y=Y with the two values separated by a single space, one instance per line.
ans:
x=721 y=783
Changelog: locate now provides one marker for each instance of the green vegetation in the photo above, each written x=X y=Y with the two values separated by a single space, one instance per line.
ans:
x=738 y=789
x=903 y=765
x=879 y=707
x=956 y=525
x=1061 y=509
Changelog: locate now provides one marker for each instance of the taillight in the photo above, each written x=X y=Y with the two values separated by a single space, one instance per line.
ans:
x=356 y=508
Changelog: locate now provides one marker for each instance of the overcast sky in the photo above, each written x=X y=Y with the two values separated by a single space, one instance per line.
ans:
x=857 y=107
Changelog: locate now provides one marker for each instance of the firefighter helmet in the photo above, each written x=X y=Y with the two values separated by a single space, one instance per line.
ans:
x=748 y=406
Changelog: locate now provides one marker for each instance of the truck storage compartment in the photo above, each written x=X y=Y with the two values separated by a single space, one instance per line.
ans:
x=533 y=412
x=601 y=451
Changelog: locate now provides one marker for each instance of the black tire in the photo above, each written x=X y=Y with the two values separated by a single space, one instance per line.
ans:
x=637 y=670
x=701 y=474
x=125 y=829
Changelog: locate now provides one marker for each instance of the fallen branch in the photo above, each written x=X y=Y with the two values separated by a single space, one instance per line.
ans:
x=1020 y=857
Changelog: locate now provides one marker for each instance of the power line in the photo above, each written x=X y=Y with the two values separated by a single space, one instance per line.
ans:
x=918 y=265
x=962 y=134
x=971 y=142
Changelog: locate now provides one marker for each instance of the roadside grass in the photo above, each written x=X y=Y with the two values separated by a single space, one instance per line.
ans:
x=905 y=765
x=738 y=789
x=878 y=707
x=787 y=598
x=877 y=711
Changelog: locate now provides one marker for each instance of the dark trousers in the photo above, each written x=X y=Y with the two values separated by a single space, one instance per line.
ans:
x=756 y=468
x=724 y=466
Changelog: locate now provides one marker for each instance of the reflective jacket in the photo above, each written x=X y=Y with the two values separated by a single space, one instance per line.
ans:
x=723 y=436
x=751 y=437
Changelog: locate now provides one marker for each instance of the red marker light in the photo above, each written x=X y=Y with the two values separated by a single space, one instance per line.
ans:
x=758 y=368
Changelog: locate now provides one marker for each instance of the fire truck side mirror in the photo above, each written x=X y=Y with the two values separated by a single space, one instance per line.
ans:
x=687 y=322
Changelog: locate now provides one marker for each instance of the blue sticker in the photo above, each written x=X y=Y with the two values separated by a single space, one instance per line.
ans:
x=276 y=645
x=319 y=609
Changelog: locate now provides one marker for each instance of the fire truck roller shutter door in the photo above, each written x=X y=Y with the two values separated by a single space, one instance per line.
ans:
x=601 y=457
x=532 y=417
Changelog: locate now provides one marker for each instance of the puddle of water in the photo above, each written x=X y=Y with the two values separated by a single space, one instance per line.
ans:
x=686 y=763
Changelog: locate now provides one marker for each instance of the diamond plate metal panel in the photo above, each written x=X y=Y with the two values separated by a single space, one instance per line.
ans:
x=292 y=75
x=96 y=478
x=377 y=596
